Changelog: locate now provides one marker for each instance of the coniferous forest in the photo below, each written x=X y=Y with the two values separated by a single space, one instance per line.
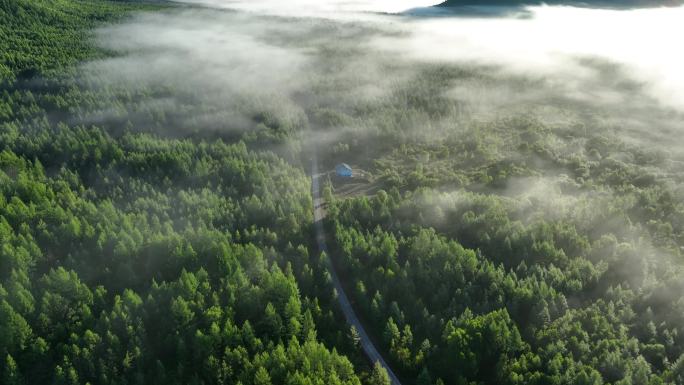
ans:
x=157 y=218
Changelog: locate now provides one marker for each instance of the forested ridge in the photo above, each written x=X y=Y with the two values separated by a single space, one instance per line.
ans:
x=156 y=218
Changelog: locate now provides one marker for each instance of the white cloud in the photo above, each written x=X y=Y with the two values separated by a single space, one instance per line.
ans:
x=319 y=8
x=645 y=41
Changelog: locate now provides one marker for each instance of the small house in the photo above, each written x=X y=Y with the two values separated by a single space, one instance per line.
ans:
x=343 y=170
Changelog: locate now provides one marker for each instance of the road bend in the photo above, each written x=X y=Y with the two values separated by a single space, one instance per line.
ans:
x=366 y=343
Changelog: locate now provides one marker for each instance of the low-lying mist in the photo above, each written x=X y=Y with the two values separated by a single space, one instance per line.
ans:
x=545 y=43
x=556 y=124
x=356 y=73
x=515 y=212
x=550 y=42
x=342 y=52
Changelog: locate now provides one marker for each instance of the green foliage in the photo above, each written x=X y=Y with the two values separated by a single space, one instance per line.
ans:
x=141 y=247
x=44 y=36
x=132 y=257
x=379 y=376
x=435 y=266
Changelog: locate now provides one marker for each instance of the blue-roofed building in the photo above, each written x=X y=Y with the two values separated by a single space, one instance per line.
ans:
x=344 y=170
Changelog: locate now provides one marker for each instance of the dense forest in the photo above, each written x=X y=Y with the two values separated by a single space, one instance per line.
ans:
x=130 y=257
x=158 y=229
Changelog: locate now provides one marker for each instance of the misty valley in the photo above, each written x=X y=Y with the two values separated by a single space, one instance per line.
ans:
x=329 y=192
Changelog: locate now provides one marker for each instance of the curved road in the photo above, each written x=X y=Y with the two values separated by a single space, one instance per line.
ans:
x=346 y=306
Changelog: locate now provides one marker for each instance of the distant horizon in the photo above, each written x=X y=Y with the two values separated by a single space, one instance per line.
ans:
x=601 y=4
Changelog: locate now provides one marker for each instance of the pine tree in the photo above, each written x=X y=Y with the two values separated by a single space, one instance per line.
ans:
x=11 y=375
x=379 y=376
x=261 y=377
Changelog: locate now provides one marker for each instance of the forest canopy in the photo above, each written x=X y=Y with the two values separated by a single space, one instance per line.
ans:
x=502 y=226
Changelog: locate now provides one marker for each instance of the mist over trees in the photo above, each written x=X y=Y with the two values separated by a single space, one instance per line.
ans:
x=156 y=213
x=130 y=257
